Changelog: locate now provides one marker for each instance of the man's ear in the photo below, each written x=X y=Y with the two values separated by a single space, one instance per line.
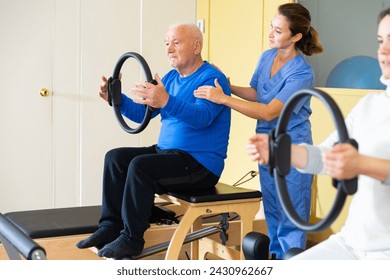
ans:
x=197 y=47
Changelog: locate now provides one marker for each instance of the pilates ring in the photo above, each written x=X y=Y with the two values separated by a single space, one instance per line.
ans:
x=115 y=92
x=280 y=160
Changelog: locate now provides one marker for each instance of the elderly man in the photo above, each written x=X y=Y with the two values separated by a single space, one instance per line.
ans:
x=189 y=154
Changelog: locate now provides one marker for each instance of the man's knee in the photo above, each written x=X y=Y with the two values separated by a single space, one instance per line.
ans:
x=112 y=155
x=139 y=164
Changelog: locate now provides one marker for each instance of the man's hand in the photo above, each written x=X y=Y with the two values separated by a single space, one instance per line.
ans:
x=103 y=93
x=150 y=94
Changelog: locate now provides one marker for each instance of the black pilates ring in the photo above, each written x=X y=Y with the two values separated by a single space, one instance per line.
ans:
x=280 y=160
x=115 y=92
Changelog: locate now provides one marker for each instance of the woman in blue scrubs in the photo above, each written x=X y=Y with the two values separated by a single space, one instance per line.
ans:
x=281 y=71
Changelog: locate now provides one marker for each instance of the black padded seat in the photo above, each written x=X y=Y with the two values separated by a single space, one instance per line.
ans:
x=221 y=192
x=57 y=221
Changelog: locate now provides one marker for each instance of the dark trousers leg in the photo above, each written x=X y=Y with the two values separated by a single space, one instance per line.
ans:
x=116 y=164
x=147 y=174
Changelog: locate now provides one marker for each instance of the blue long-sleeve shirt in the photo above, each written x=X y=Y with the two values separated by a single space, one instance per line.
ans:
x=196 y=126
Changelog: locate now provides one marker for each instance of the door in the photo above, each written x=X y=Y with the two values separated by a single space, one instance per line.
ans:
x=26 y=142
x=53 y=146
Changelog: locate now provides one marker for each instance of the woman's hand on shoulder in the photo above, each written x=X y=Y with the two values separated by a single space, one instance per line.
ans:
x=213 y=94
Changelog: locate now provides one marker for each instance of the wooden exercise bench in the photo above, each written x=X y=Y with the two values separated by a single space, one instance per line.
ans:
x=78 y=221
x=223 y=199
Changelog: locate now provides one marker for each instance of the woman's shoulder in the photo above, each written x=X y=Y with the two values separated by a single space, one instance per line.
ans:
x=301 y=59
x=376 y=101
x=375 y=96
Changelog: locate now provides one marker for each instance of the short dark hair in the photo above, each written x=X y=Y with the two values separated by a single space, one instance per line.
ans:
x=383 y=13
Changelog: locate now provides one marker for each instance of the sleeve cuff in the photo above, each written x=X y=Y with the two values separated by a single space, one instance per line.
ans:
x=387 y=180
x=314 y=160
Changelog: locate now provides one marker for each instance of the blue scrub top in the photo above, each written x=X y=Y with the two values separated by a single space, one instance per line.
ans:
x=296 y=74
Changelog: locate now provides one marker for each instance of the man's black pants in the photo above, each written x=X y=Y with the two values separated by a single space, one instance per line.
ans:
x=131 y=178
